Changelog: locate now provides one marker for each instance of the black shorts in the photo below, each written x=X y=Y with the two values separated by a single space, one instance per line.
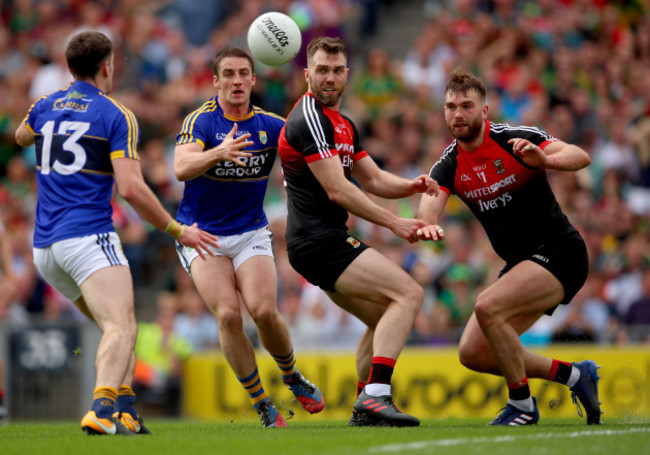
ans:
x=566 y=258
x=323 y=261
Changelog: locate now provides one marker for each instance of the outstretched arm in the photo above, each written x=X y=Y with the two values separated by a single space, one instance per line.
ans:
x=329 y=173
x=430 y=210
x=390 y=186
x=137 y=193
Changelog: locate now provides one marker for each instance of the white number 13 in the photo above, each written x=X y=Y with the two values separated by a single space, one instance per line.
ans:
x=70 y=145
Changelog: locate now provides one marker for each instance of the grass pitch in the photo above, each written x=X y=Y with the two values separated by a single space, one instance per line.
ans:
x=449 y=436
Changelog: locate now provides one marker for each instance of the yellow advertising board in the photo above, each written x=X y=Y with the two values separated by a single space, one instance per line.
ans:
x=428 y=383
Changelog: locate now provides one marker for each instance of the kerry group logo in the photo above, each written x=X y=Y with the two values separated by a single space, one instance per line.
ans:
x=257 y=166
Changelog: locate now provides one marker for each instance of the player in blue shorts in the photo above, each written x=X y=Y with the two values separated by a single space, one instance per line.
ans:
x=224 y=194
x=85 y=143
x=499 y=171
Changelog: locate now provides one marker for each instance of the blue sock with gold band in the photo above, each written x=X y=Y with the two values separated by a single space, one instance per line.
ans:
x=287 y=365
x=253 y=385
x=126 y=401
x=104 y=402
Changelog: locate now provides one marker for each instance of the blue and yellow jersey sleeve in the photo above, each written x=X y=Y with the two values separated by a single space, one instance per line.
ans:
x=125 y=135
x=196 y=125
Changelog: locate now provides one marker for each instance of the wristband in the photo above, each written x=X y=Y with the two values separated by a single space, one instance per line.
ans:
x=174 y=229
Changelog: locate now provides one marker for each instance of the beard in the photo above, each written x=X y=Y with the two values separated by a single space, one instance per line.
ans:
x=329 y=99
x=471 y=132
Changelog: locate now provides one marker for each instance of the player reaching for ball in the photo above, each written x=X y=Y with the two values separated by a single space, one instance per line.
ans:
x=499 y=171
x=224 y=154
x=320 y=152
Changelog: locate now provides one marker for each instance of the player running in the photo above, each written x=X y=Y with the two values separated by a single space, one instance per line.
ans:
x=224 y=154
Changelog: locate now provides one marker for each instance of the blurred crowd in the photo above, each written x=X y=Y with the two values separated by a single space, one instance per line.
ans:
x=577 y=69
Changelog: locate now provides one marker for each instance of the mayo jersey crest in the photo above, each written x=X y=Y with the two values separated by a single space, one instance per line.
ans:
x=228 y=199
x=77 y=133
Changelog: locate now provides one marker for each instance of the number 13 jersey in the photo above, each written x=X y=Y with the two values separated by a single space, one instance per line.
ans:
x=77 y=133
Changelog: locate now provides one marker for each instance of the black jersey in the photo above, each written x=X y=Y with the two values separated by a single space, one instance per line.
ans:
x=513 y=201
x=313 y=132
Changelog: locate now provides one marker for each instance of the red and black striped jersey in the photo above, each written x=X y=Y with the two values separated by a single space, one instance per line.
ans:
x=513 y=201
x=313 y=132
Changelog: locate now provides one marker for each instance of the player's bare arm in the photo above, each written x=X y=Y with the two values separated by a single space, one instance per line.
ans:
x=430 y=211
x=24 y=135
x=557 y=155
x=190 y=160
x=390 y=186
x=329 y=173
x=137 y=193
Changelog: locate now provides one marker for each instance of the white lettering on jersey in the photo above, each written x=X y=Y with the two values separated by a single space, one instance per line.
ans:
x=495 y=203
x=344 y=148
x=346 y=160
x=222 y=136
x=487 y=190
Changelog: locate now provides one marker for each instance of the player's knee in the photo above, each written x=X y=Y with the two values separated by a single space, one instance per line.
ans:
x=470 y=355
x=264 y=316
x=485 y=310
x=413 y=295
x=124 y=333
x=229 y=319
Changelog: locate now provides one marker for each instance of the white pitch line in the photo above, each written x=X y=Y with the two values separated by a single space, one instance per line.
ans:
x=500 y=439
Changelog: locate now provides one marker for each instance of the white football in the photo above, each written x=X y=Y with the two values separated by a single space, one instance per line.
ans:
x=274 y=38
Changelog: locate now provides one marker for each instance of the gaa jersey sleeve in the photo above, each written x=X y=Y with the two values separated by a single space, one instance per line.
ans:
x=444 y=170
x=359 y=151
x=30 y=118
x=195 y=127
x=311 y=132
x=124 y=133
x=502 y=133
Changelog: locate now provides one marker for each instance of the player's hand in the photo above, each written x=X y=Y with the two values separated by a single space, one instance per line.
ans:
x=407 y=228
x=530 y=153
x=200 y=240
x=231 y=147
x=425 y=184
x=432 y=232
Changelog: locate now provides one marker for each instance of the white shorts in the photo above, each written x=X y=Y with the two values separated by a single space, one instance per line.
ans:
x=237 y=247
x=68 y=263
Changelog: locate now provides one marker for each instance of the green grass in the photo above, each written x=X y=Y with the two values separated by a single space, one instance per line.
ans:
x=449 y=437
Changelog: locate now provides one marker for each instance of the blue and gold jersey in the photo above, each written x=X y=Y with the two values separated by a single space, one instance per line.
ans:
x=78 y=132
x=228 y=199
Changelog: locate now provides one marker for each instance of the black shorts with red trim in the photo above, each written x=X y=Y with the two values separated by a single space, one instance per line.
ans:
x=321 y=261
x=566 y=258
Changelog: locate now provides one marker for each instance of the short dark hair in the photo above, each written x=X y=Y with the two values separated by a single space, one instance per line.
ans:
x=330 y=45
x=87 y=52
x=230 y=51
x=461 y=81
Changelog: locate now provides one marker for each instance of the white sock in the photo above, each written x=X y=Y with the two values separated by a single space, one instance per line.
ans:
x=573 y=378
x=377 y=390
x=525 y=405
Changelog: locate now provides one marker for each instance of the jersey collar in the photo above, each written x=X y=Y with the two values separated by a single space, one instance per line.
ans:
x=250 y=114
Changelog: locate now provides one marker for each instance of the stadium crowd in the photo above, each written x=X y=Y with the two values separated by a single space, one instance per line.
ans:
x=575 y=68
